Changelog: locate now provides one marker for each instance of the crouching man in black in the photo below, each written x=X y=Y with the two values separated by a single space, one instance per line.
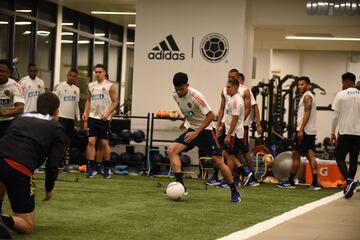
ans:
x=31 y=139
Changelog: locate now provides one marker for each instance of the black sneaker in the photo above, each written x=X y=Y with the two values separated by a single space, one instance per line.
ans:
x=349 y=191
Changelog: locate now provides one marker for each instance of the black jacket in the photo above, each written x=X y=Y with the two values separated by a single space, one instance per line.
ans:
x=32 y=139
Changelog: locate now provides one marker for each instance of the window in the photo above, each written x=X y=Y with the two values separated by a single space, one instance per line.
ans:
x=47 y=11
x=69 y=18
x=4 y=36
x=44 y=54
x=5 y=4
x=83 y=67
x=67 y=48
x=23 y=34
x=25 y=7
x=85 y=23
x=116 y=33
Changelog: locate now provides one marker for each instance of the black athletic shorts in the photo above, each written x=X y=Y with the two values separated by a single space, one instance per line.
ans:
x=206 y=141
x=308 y=143
x=246 y=136
x=68 y=125
x=20 y=188
x=98 y=128
x=4 y=125
x=236 y=145
x=347 y=144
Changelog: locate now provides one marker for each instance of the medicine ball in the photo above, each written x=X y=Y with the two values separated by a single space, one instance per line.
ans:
x=138 y=136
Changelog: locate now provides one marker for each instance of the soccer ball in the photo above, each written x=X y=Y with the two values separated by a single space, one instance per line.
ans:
x=175 y=191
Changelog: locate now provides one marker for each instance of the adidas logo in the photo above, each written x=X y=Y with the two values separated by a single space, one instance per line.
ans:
x=167 y=50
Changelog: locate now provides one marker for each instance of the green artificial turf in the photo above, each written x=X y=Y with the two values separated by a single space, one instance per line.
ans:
x=127 y=207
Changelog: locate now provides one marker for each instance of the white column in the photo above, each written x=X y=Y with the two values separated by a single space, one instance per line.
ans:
x=57 y=61
x=123 y=67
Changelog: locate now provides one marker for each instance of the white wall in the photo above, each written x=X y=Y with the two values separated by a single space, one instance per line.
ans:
x=157 y=19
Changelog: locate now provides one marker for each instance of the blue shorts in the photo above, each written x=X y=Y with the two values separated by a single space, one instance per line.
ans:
x=308 y=143
x=98 y=128
x=236 y=145
x=206 y=141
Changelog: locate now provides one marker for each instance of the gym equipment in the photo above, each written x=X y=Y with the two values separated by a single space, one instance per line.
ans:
x=125 y=135
x=185 y=160
x=114 y=158
x=156 y=157
x=274 y=96
x=205 y=164
x=114 y=139
x=138 y=157
x=138 y=136
x=282 y=166
x=125 y=158
x=175 y=191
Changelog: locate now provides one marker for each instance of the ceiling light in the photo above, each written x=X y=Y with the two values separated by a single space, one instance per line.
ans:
x=130 y=43
x=83 y=41
x=67 y=24
x=3 y=22
x=22 y=23
x=23 y=10
x=113 y=13
x=321 y=38
x=131 y=25
x=67 y=34
x=27 y=32
x=43 y=33
x=100 y=34
x=66 y=41
x=99 y=42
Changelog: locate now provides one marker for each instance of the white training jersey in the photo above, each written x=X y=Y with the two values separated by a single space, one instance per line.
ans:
x=100 y=100
x=194 y=107
x=32 y=89
x=69 y=96
x=310 y=127
x=10 y=93
x=241 y=90
x=347 y=104
x=234 y=107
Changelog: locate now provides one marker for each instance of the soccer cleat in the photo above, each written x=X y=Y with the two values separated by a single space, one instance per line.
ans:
x=90 y=173
x=212 y=181
x=235 y=197
x=314 y=186
x=349 y=191
x=247 y=179
x=286 y=184
x=98 y=169
x=107 y=172
x=222 y=184
x=254 y=183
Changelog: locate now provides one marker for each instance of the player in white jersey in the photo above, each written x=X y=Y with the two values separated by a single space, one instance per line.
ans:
x=304 y=143
x=245 y=93
x=69 y=96
x=346 y=108
x=200 y=133
x=233 y=120
x=100 y=104
x=11 y=97
x=32 y=87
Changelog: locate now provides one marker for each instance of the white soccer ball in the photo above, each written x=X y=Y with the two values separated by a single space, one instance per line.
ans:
x=175 y=191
